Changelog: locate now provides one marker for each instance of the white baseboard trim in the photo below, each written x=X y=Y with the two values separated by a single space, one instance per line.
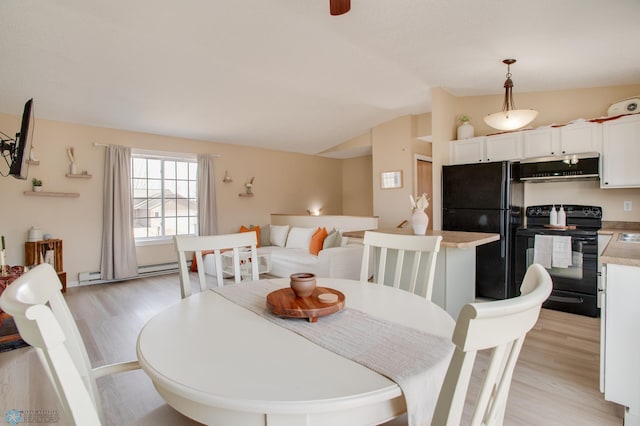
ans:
x=91 y=278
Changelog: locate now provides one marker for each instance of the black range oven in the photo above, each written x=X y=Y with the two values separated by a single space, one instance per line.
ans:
x=574 y=286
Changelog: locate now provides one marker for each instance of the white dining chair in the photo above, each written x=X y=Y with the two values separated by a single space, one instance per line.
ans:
x=217 y=244
x=44 y=321
x=500 y=326
x=420 y=250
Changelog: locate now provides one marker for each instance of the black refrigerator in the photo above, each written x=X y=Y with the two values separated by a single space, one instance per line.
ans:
x=486 y=197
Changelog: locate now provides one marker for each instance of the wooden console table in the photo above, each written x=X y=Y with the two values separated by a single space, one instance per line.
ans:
x=36 y=252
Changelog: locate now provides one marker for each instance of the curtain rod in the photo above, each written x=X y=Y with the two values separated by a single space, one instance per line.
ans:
x=102 y=144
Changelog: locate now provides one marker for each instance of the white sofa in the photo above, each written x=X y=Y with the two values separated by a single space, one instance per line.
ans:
x=343 y=261
x=334 y=262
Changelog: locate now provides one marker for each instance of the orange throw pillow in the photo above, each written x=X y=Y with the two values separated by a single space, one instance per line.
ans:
x=255 y=229
x=316 y=241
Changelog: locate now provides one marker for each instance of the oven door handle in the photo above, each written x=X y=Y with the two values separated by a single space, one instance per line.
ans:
x=575 y=300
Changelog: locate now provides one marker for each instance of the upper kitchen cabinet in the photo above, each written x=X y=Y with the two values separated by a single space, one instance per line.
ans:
x=580 y=137
x=541 y=142
x=573 y=138
x=506 y=146
x=466 y=151
x=620 y=153
x=483 y=149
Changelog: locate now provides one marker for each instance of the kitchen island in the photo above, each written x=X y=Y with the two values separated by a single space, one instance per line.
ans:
x=455 y=276
x=619 y=341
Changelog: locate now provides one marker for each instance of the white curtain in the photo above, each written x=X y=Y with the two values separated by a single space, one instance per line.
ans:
x=207 y=214
x=118 y=241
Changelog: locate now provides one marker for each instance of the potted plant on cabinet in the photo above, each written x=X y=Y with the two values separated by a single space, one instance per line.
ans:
x=37 y=184
x=465 y=130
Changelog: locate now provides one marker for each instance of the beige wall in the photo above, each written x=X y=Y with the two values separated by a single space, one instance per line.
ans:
x=423 y=125
x=392 y=151
x=359 y=142
x=285 y=183
x=554 y=107
x=357 y=188
x=586 y=193
x=394 y=146
x=444 y=111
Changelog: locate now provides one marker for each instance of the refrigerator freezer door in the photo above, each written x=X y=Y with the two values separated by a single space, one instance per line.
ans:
x=476 y=186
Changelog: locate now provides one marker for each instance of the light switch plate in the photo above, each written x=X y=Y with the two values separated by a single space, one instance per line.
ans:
x=628 y=206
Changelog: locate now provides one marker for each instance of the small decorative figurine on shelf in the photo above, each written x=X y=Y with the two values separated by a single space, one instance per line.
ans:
x=73 y=168
x=249 y=185
x=248 y=188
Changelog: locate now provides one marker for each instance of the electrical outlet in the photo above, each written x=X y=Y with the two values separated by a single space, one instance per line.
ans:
x=627 y=206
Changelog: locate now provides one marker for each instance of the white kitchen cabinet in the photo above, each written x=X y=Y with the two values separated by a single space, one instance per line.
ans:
x=541 y=142
x=580 y=137
x=506 y=146
x=466 y=151
x=573 y=138
x=620 y=153
x=621 y=316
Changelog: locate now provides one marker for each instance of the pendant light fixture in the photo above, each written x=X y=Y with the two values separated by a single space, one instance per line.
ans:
x=510 y=118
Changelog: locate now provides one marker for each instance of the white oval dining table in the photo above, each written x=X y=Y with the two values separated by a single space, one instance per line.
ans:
x=221 y=364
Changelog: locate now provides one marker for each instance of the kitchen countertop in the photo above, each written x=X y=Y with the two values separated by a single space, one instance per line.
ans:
x=452 y=239
x=618 y=252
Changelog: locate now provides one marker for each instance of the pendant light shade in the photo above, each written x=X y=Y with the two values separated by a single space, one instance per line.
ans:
x=510 y=118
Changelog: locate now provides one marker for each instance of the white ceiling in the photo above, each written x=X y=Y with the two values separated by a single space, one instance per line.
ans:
x=284 y=74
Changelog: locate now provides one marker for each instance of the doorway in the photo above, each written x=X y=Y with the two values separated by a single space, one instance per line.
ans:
x=424 y=183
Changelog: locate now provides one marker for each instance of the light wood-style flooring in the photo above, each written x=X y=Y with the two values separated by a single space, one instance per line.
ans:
x=555 y=382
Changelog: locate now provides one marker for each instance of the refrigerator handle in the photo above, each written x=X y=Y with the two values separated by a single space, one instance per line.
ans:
x=503 y=237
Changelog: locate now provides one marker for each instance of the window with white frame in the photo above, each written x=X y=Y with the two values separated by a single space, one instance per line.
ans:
x=165 y=195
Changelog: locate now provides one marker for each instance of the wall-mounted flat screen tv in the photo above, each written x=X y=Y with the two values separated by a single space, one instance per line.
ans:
x=19 y=166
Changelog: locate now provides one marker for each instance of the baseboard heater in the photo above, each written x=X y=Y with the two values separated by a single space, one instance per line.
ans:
x=87 y=278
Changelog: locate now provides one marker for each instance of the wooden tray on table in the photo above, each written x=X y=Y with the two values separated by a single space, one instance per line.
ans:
x=285 y=303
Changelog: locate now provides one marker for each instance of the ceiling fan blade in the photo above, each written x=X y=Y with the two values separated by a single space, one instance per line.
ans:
x=339 y=7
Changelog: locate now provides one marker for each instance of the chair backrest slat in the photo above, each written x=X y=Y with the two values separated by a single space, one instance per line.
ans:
x=415 y=258
x=218 y=244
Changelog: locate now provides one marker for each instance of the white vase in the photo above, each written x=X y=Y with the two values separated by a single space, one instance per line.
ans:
x=419 y=222
x=73 y=169
x=37 y=188
x=465 y=131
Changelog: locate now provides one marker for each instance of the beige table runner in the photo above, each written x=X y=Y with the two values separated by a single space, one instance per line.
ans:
x=415 y=360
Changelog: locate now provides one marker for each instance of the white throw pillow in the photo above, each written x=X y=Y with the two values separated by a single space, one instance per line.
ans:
x=300 y=237
x=331 y=239
x=278 y=235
